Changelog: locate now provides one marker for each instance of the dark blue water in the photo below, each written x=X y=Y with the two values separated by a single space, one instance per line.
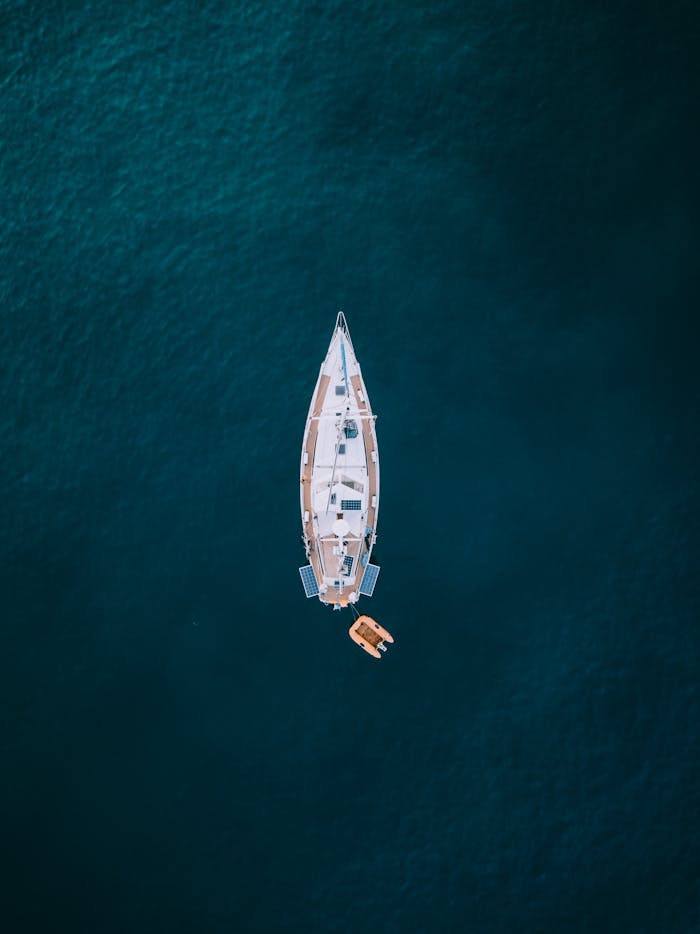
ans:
x=502 y=196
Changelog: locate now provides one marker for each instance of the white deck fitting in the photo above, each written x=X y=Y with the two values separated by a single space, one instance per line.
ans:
x=336 y=470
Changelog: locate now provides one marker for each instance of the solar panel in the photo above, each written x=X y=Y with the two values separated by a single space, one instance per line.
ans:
x=308 y=579
x=347 y=561
x=369 y=579
x=349 y=504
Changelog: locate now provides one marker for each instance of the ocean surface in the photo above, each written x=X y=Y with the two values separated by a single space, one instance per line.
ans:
x=502 y=197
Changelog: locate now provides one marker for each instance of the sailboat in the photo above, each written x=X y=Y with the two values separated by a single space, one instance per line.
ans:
x=339 y=490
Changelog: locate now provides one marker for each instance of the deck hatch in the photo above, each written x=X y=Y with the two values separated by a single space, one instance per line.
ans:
x=369 y=579
x=308 y=579
x=350 y=504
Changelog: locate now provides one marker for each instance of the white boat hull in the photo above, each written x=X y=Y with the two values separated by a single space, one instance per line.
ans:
x=339 y=479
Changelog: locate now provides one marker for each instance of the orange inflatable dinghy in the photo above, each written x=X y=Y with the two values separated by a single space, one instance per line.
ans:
x=369 y=635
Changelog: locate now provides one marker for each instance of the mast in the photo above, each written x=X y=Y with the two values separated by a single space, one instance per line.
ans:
x=341 y=326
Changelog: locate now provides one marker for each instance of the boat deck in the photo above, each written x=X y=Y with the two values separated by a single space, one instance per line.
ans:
x=321 y=557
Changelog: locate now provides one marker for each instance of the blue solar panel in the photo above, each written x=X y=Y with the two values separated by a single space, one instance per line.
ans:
x=347 y=561
x=369 y=579
x=308 y=579
x=350 y=504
